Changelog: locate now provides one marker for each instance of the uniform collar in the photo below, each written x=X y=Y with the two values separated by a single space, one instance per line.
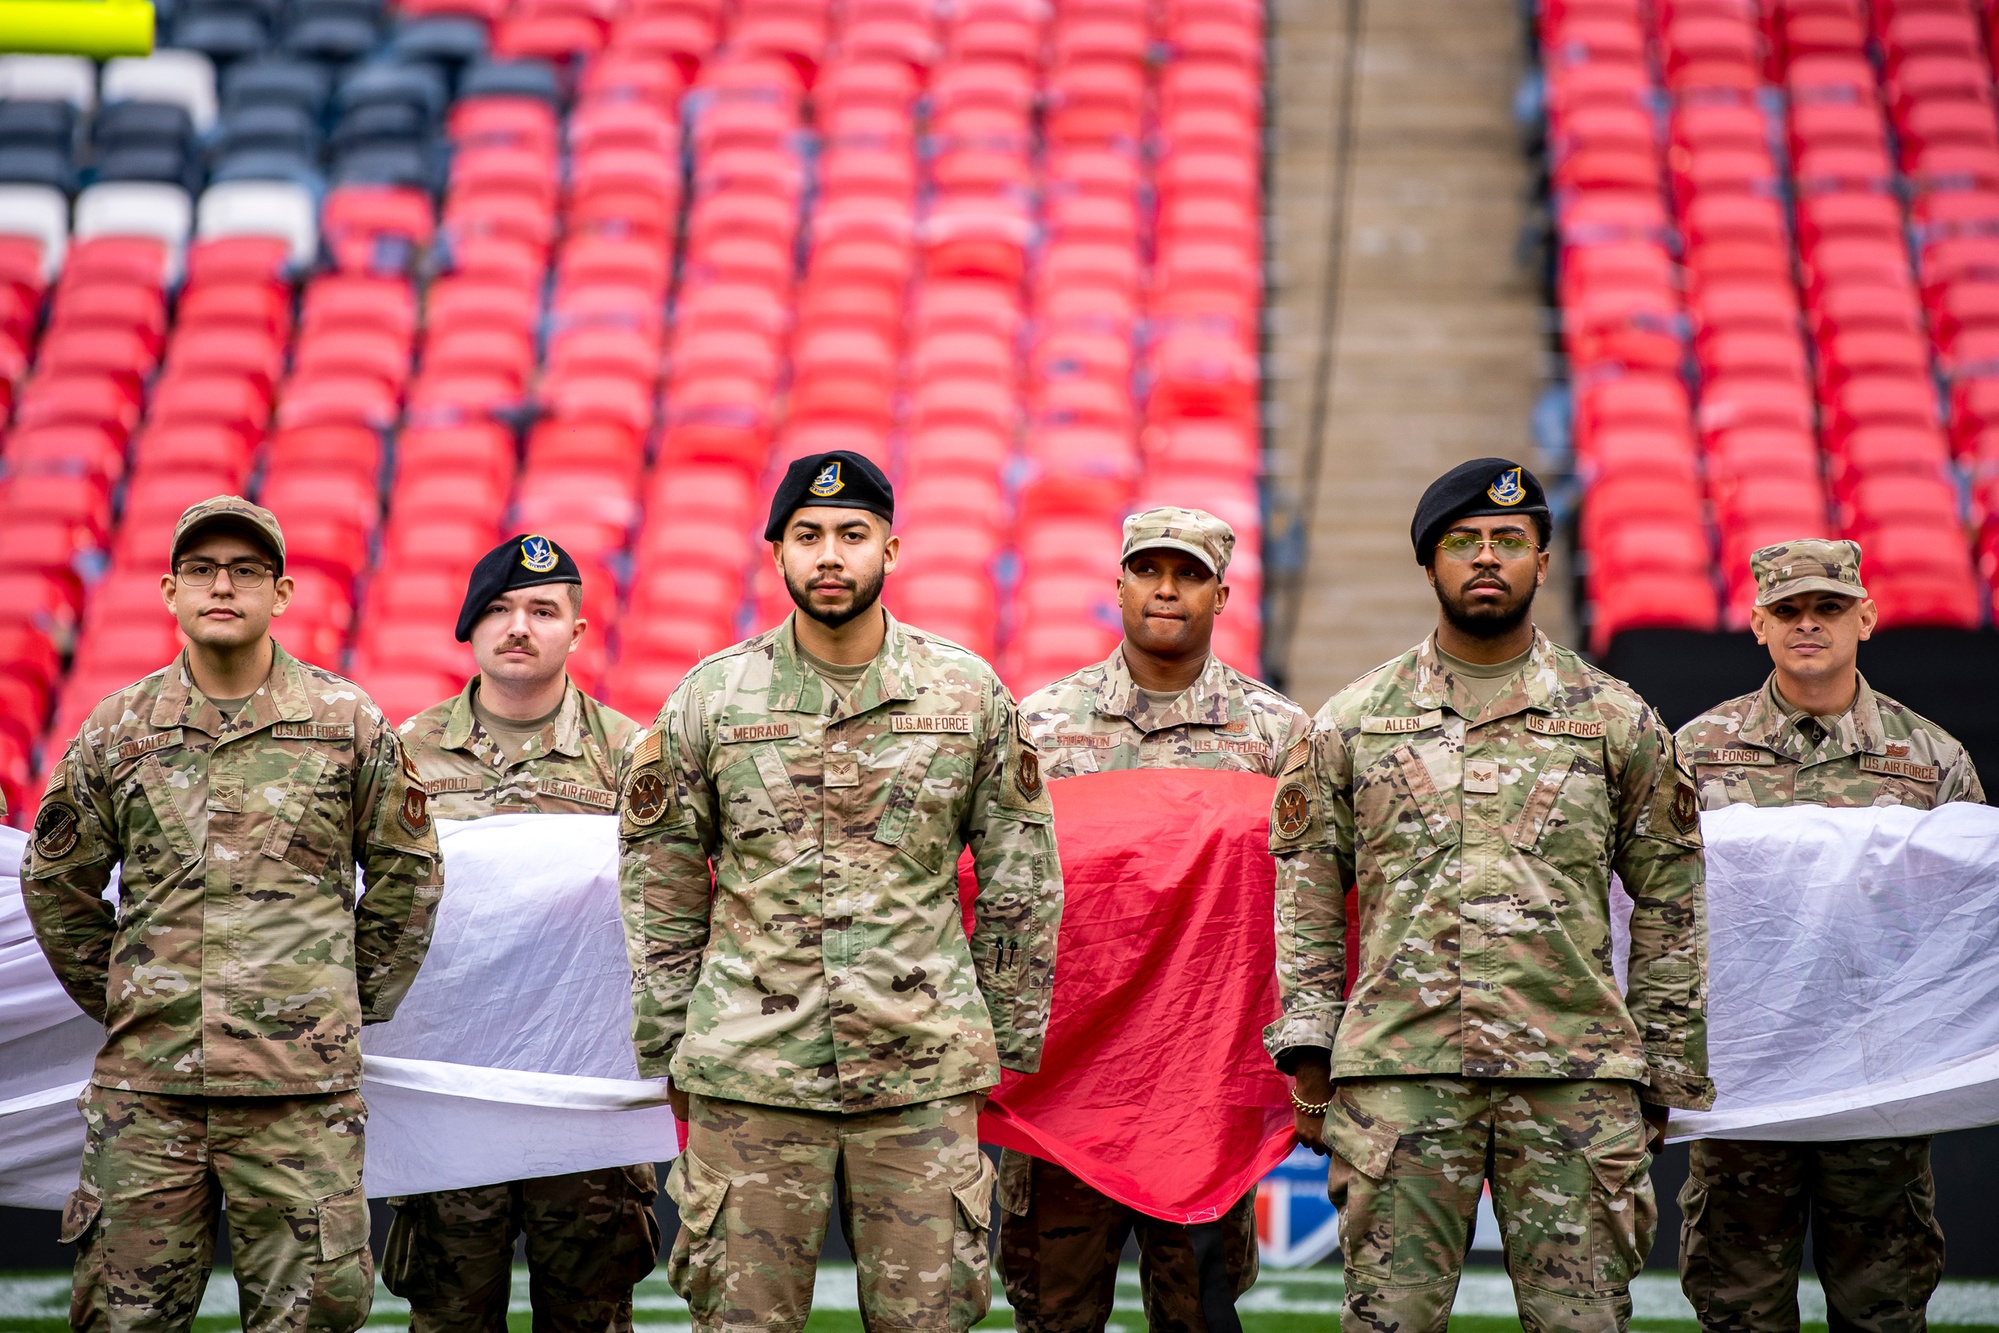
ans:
x=796 y=688
x=1775 y=725
x=1531 y=689
x=282 y=698
x=564 y=736
x=1211 y=701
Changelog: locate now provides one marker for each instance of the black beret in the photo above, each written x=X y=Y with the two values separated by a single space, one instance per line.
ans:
x=1472 y=490
x=521 y=561
x=841 y=479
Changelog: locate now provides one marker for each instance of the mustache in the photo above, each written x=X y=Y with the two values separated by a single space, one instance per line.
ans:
x=1484 y=581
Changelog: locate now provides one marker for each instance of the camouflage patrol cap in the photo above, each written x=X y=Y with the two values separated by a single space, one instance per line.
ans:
x=229 y=511
x=1169 y=527
x=1810 y=564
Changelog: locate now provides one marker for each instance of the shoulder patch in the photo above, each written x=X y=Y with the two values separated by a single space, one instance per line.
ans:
x=1400 y=726
x=58 y=827
x=415 y=810
x=58 y=780
x=1291 y=813
x=1900 y=768
x=645 y=797
x=1295 y=757
x=648 y=749
x=1580 y=728
x=1686 y=807
x=1736 y=755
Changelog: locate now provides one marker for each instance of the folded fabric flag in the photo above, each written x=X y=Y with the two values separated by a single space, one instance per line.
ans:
x=1154 y=1086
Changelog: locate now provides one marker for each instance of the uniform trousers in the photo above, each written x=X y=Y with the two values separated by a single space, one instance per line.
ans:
x=1060 y=1241
x=1567 y=1162
x=1871 y=1208
x=157 y=1171
x=590 y=1236
x=755 y=1191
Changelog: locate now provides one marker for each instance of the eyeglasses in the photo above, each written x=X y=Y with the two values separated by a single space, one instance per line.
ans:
x=242 y=573
x=1465 y=545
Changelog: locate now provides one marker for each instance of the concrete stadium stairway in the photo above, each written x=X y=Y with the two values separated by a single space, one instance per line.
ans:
x=1404 y=334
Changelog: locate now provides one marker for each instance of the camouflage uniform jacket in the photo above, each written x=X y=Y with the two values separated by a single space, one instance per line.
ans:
x=574 y=766
x=1097 y=720
x=827 y=967
x=1481 y=844
x=237 y=962
x=1757 y=750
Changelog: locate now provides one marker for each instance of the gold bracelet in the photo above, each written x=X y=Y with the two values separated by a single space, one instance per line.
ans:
x=1310 y=1108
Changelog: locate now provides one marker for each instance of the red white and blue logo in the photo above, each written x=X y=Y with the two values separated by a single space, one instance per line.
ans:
x=1296 y=1224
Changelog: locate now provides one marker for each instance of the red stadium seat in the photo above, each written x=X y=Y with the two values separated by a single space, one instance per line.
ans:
x=348 y=300
x=376 y=229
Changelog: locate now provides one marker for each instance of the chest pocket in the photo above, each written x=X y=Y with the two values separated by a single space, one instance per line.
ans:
x=766 y=818
x=1564 y=818
x=164 y=798
x=1400 y=818
x=926 y=799
x=303 y=834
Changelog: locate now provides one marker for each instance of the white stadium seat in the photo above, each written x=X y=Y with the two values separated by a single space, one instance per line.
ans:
x=261 y=208
x=138 y=208
x=69 y=79
x=40 y=212
x=184 y=78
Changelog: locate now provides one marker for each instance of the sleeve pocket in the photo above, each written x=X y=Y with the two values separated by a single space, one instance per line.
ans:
x=343 y=1223
x=698 y=1191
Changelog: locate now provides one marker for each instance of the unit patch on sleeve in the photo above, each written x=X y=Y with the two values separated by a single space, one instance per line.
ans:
x=1293 y=809
x=56 y=830
x=645 y=797
x=415 y=811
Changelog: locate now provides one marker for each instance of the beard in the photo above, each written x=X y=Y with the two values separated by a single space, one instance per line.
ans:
x=1484 y=622
x=865 y=592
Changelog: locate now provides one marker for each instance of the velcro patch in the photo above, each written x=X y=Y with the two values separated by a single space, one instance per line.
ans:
x=439 y=786
x=756 y=731
x=1401 y=726
x=956 y=722
x=314 y=731
x=1082 y=740
x=582 y=795
x=1900 y=768
x=1731 y=756
x=143 y=745
x=1564 y=726
x=648 y=750
x=1295 y=757
x=1244 y=747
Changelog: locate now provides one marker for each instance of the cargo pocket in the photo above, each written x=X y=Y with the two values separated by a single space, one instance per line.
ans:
x=635 y=1248
x=343 y=1282
x=697 y=1267
x=971 y=1246
x=1358 y=1184
x=1696 y=1271
x=399 y=1263
x=79 y=1214
x=1623 y=1215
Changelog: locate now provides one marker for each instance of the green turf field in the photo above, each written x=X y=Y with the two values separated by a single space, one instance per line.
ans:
x=1282 y=1302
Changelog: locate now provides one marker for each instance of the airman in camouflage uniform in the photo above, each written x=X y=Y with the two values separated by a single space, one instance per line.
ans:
x=236 y=969
x=1869 y=1203
x=590 y=1234
x=1483 y=1036
x=1060 y=1239
x=817 y=996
